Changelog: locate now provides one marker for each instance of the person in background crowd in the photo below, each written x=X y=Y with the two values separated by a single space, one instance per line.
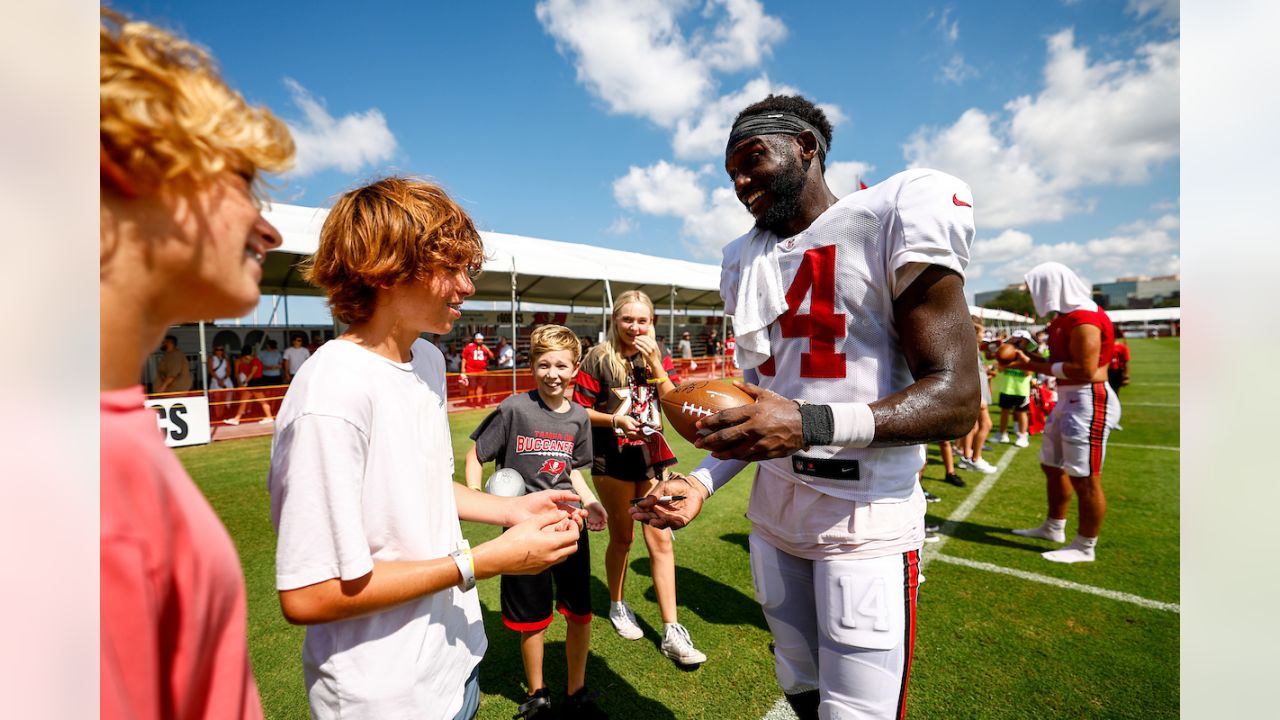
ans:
x=173 y=372
x=272 y=363
x=453 y=358
x=1013 y=385
x=294 y=356
x=729 y=344
x=220 y=381
x=316 y=341
x=249 y=376
x=715 y=349
x=1118 y=369
x=686 y=352
x=475 y=363
x=506 y=353
x=370 y=556
x=971 y=444
x=1081 y=339
x=181 y=238
x=586 y=343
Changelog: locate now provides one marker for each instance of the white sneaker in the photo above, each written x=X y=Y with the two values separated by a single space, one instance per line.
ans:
x=1043 y=532
x=232 y=421
x=677 y=646
x=983 y=466
x=624 y=621
x=1004 y=438
x=964 y=463
x=1024 y=440
x=1070 y=554
x=266 y=421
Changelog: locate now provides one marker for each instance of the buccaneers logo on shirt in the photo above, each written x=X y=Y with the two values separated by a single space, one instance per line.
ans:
x=552 y=467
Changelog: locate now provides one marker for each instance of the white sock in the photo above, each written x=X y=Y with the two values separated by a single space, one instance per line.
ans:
x=1056 y=525
x=1084 y=543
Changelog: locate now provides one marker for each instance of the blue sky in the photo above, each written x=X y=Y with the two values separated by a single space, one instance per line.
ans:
x=603 y=121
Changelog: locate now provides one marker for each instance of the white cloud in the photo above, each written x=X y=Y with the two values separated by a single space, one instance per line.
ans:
x=708 y=220
x=661 y=189
x=1143 y=247
x=621 y=225
x=1163 y=10
x=949 y=28
x=347 y=143
x=707 y=232
x=703 y=135
x=1092 y=124
x=957 y=70
x=633 y=55
x=842 y=177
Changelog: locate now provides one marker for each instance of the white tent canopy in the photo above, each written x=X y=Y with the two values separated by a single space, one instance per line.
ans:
x=1145 y=316
x=1000 y=315
x=530 y=269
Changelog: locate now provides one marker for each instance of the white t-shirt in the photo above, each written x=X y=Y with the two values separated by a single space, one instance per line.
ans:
x=295 y=356
x=840 y=344
x=506 y=356
x=361 y=471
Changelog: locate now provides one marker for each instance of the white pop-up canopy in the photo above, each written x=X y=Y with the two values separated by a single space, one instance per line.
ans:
x=527 y=268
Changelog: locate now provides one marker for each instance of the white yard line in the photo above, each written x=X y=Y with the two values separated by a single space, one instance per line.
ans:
x=782 y=711
x=1058 y=582
x=958 y=516
x=1144 y=447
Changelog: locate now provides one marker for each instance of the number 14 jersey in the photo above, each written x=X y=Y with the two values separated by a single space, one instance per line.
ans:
x=837 y=341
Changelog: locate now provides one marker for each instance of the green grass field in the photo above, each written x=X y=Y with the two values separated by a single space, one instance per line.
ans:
x=1002 y=632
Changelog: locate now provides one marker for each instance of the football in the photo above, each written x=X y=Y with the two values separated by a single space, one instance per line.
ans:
x=692 y=401
x=507 y=482
x=1006 y=352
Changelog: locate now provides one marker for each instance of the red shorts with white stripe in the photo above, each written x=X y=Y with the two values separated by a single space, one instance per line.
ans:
x=1075 y=435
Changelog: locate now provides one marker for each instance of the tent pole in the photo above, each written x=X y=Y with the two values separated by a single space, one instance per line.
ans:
x=204 y=364
x=671 y=333
x=515 y=338
x=724 y=333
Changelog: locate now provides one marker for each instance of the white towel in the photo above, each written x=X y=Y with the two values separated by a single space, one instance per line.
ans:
x=1055 y=288
x=760 y=297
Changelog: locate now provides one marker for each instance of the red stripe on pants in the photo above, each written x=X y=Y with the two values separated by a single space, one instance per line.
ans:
x=912 y=583
x=1097 y=426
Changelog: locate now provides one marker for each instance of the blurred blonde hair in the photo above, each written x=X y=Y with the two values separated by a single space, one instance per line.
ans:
x=385 y=233
x=552 y=338
x=611 y=349
x=165 y=113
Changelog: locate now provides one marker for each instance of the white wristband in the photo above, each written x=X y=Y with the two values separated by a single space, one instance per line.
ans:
x=854 y=425
x=1058 y=371
x=714 y=473
x=466 y=565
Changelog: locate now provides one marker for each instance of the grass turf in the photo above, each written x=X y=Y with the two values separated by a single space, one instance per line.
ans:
x=988 y=645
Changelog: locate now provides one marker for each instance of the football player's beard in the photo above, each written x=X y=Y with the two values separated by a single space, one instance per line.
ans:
x=786 y=189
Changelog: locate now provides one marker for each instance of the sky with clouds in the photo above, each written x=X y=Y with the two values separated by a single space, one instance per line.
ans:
x=604 y=121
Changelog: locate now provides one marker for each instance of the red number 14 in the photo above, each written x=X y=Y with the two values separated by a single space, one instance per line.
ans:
x=815 y=278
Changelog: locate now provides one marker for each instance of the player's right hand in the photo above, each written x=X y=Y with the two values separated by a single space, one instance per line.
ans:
x=675 y=514
x=530 y=547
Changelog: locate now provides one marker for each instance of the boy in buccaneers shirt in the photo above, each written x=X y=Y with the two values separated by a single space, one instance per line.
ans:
x=545 y=437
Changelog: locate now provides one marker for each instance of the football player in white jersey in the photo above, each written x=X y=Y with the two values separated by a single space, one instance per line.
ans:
x=850 y=314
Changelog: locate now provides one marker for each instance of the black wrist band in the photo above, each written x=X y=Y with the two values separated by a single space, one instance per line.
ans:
x=817 y=423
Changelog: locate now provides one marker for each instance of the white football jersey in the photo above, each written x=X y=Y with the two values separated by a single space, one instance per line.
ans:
x=837 y=341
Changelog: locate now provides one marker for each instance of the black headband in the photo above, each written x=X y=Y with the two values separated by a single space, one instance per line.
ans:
x=778 y=123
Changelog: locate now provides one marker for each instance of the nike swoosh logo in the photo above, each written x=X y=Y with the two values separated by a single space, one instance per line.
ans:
x=960 y=202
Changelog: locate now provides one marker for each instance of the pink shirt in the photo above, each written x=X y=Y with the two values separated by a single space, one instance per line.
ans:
x=172 y=595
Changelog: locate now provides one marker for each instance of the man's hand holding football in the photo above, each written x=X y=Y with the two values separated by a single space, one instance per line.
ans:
x=768 y=428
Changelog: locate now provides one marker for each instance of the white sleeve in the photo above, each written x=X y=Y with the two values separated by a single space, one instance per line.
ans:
x=714 y=473
x=316 y=479
x=935 y=224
